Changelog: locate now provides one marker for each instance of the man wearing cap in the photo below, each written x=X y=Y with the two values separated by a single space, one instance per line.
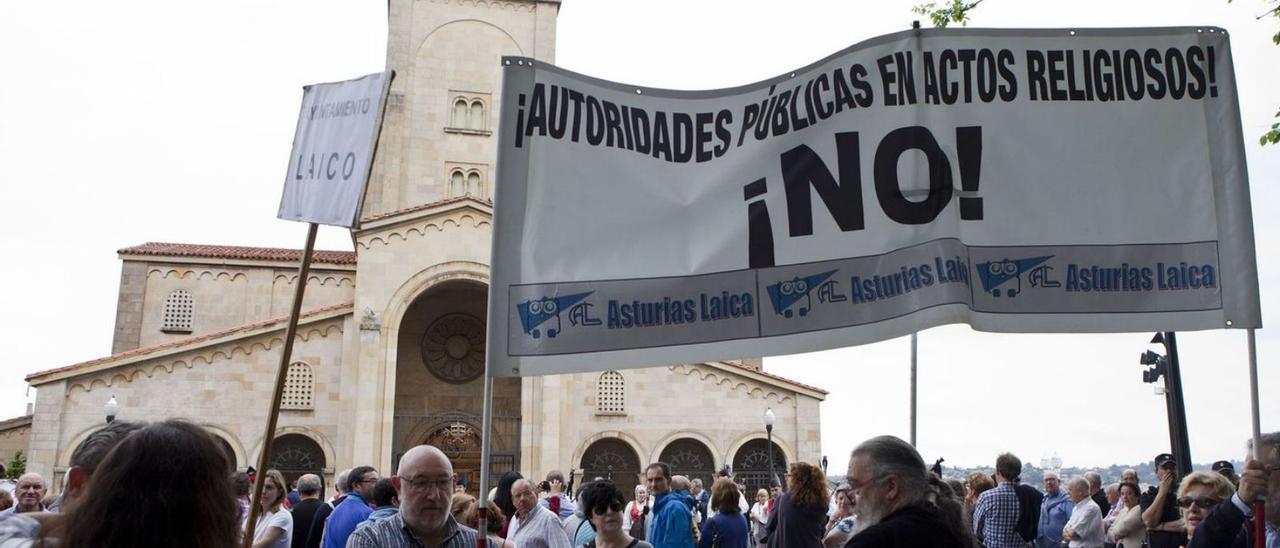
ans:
x=1160 y=506
x=1228 y=471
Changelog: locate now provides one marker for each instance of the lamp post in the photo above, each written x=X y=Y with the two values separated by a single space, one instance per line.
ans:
x=1167 y=366
x=769 y=419
x=111 y=408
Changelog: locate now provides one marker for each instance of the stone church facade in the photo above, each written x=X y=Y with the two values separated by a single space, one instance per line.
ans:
x=390 y=348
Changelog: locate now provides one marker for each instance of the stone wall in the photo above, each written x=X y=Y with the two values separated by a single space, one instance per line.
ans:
x=15 y=435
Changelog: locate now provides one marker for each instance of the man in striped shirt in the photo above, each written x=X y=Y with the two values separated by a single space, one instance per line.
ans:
x=424 y=483
x=995 y=516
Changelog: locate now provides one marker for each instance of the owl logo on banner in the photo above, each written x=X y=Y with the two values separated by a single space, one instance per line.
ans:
x=535 y=312
x=784 y=294
x=996 y=273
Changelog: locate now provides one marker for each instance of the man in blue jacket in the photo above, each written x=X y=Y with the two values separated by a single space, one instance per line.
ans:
x=1055 y=511
x=354 y=508
x=672 y=522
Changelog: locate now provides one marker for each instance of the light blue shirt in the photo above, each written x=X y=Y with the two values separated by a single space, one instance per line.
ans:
x=1055 y=512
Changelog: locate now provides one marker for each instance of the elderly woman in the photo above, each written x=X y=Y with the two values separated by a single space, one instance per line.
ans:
x=840 y=526
x=1199 y=494
x=633 y=514
x=1127 y=530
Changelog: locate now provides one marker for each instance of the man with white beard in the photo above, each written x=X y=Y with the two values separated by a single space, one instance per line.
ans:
x=897 y=501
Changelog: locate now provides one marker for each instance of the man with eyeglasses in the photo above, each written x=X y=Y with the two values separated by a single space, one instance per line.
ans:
x=424 y=483
x=1231 y=524
x=899 y=504
x=353 y=510
x=534 y=526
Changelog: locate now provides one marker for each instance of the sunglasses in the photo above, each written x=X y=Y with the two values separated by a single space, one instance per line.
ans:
x=1202 y=502
x=614 y=506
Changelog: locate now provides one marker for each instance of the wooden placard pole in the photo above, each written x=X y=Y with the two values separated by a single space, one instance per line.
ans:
x=268 y=437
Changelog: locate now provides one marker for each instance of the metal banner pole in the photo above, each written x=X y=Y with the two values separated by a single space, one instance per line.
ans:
x=913 y=390
x=486 y=443
x=1259 y=507
x=264 y=460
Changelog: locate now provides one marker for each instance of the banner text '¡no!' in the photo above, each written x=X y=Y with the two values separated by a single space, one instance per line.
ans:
x=803 y=169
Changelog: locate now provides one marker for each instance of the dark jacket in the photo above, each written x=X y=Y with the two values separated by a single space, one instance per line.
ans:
x=1029 y=501
x=792 y=526
x=1101 y=499
x=1224 y=527
x=304 y=513
x=726 y=531
x=910 y=527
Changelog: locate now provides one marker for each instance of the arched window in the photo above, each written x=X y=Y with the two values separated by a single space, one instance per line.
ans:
x=459 y=119
x=457 y=184
x=477 y=116
x=473 y=184
x=299 y=387
x=179 y=308
x=611 y=398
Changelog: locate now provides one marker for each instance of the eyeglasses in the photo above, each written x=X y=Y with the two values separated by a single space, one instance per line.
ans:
x=423 y=485
x=614 y=506
x=857 y=485
x=1202 y=502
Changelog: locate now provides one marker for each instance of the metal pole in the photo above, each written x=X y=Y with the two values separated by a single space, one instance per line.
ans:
x=268 y=439
x=486 y=437
x=773 y=476
x=1177 y=407
x=1259 y=507
x=913 y=389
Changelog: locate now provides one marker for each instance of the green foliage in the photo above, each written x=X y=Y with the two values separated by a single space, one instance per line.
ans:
x=1271 y=137
x=954 y=11
x=16 y=467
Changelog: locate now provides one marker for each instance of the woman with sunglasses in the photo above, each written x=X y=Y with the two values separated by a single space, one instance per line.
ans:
x=602 y=502
x=1199 y=494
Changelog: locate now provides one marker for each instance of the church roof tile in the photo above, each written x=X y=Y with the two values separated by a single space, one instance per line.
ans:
x=162 y=249
x=185 y=341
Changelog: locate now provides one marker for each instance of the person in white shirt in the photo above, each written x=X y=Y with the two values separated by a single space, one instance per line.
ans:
x=1084 y=529
x=274 y=528
x=534 y=526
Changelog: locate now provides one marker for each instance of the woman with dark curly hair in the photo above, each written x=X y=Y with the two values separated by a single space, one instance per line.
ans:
x=502 y=498
x=799 y=519
x=601 y=502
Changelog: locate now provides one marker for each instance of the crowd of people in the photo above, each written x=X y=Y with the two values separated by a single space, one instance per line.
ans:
x=164 y=484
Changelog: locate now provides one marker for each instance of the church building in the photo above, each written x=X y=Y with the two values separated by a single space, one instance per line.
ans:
x=390 y=347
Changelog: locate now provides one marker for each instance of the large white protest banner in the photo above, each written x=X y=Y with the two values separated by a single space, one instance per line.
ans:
x=332 y=150
x=1014 y=180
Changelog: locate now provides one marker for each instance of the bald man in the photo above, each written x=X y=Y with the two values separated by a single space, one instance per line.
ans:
x=28 y=495
x=424 y=482
x=534 y=526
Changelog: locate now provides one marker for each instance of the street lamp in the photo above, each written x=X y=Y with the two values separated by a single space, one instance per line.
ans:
x=769 y=419
x=111 y=408
x=1166 y=366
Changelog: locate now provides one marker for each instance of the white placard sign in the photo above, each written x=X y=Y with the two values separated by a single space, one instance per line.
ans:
x=1013 y=180
x=332 y=150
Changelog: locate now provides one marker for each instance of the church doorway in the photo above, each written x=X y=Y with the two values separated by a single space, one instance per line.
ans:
x=690 y=458
x=294 y=455
x=614 y=460
x=751 y=465
x=440 y=386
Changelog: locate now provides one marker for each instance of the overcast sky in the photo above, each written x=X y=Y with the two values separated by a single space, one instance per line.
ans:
x=122 y=123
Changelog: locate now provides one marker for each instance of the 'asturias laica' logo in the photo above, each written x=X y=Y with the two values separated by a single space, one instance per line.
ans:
x=996 y=273
x=535 y=312
x=787 y=293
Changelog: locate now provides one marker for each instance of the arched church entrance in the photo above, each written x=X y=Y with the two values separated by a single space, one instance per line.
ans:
x=690 y=458
x=751 y=465
x=294 y=455
x=614 y=460
x=440 y=386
